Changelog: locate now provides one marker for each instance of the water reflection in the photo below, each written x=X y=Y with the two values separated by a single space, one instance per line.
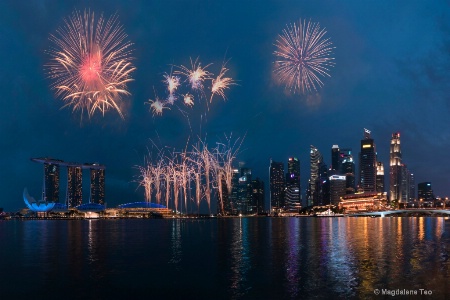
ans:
x=176 y=244
x=292 y=265
x=240 y=260
x=232 y=258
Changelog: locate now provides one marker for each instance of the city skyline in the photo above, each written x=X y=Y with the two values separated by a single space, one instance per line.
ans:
x=389 y=76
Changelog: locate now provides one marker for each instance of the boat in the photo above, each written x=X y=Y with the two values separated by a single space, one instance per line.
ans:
x=328 y=213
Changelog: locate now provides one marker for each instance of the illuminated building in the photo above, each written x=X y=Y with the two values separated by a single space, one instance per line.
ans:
x=277 y=185
x=348 y=169
x=380 y=177
x=50 y=192
x=337 y=188
x=335 y=158
x=74 y=195
x=425 y=192
x=226 y=198
x=395 y=168
x=405 y=186
x=316 y=160
x=367 y=163
x=412 y=188
x=37 y=206
x=361 y=202
x=97 y=191
x=234 y=192
x=293 y=189
x=258 y=195
x=321 y=194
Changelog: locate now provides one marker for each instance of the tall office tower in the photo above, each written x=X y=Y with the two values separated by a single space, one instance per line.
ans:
x=412 y=188
x=348 y=169
x=97 y=193
x=277 y=185
x=380 y=177
x=315 y=159
x=405 y=185
x=74 y=194
x=234 y=191
x=367 y=163
x=335 y=158
x=395 y=168
x=322 y=187
x=337 y=188
x=51 y=182
x=293 y=189
x=425 y=193
x=244 y=199
x=258 y=195
x=224 y=207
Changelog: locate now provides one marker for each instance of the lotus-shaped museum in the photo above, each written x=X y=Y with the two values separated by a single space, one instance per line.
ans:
x=37 y=206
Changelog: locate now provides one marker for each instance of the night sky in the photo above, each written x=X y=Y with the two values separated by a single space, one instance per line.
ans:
x=391 y=74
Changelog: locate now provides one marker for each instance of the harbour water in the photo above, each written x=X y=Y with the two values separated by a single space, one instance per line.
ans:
x=230 y=258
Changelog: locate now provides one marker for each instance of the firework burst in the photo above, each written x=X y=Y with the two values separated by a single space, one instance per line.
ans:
x=188 y=100
x=157 y=106
x=303 y=56
x=90 y=63
x=196 y=75
x=221 y=83
x=173 y=82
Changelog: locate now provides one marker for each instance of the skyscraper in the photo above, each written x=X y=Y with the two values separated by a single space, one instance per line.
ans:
x=405 y=186
x=244 y=195
x=367 y=163
x=335 y=158
x=337 y=188
x=97 y=191
x=412 y=188
x=74 y=194
x=395 y=168
x=425 y=192
x=234 y=192
x=380 y=177
x=293 y=189
x=316 y=160
x=51 y=182
x=258 y=195
x=348 y=169
x=277 y=185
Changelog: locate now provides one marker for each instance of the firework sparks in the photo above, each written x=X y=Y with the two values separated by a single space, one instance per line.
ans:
x=173 y=82
x=303 y=54
x=157 y=106
x=208 y=171
x=196 y=75
x=188 y=100
x=90 y=63
x=171 y=99
x=221 y=83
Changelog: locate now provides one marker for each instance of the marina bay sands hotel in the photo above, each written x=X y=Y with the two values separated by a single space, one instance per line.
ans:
x=74 y=195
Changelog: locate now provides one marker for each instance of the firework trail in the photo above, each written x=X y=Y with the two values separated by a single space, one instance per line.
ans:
x=146 y=180
x=207 y=169
x=221 y=83
x=90 y=63
x=303 y=54
x=196 y=75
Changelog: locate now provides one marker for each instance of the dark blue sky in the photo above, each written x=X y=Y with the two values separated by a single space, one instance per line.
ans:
x=391 y=74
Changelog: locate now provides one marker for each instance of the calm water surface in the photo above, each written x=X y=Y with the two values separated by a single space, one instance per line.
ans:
x=235 y=258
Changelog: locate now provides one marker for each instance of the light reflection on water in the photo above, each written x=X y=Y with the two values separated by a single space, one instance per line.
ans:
x=235 y=258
